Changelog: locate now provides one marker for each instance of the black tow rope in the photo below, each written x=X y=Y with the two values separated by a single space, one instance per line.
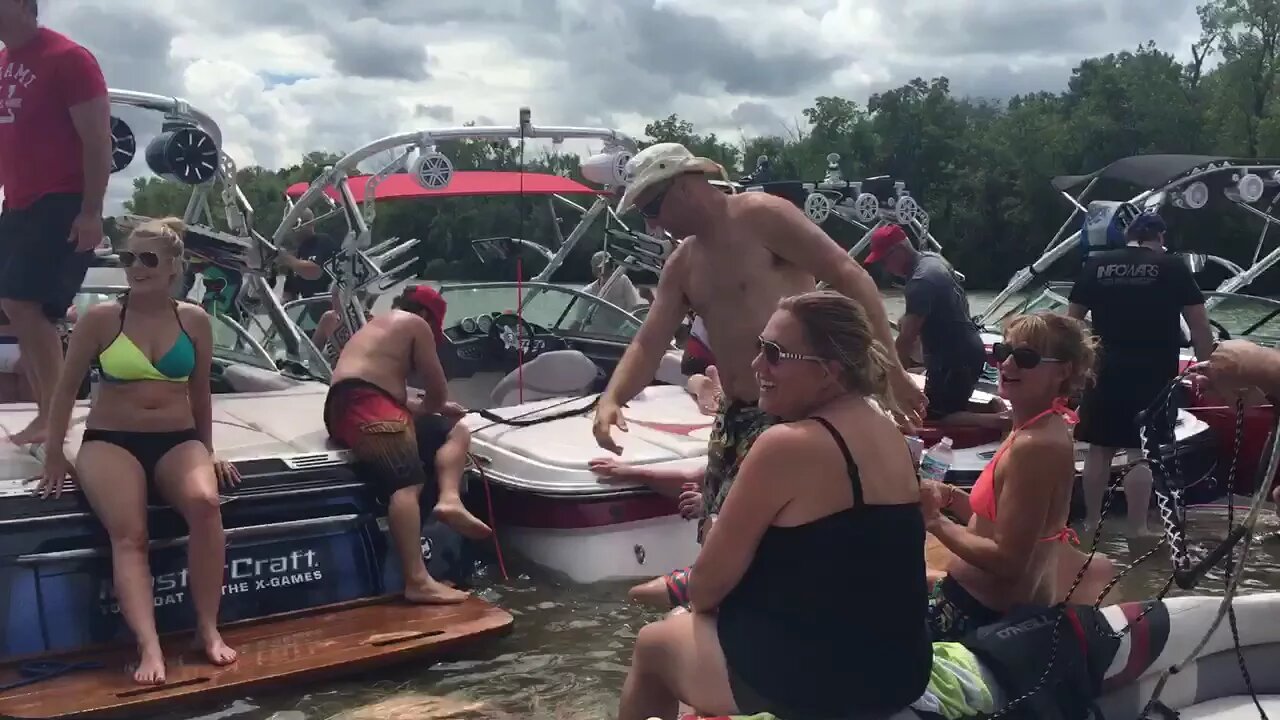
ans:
x=523 y=420
x=1172 y=513
x=41 y=670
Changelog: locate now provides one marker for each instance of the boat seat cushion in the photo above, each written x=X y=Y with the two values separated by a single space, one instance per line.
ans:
x=669 y=369
x=553 y=374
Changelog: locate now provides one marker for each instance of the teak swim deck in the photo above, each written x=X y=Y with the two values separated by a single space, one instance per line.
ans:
x=323 y=642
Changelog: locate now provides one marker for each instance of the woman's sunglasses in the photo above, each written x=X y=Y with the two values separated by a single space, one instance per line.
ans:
x=774 y=354
x=1024 y=357
x=148 y=259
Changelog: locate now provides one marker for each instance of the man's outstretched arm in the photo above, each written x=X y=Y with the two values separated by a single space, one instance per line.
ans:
x=643 y=356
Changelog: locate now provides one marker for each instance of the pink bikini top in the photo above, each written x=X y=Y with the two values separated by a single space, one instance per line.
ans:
x=982 y=498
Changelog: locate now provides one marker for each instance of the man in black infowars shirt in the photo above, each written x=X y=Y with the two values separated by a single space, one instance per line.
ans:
x=937 y=317
x=1136 y=295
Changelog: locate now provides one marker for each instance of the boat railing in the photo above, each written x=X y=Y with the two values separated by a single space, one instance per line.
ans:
x=1181 y=181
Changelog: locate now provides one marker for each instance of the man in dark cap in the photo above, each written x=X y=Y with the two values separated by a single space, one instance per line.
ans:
x=937 y=320
x=1136 y=295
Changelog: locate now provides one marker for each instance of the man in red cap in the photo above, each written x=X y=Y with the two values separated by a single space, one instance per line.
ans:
x=397 y=438
x=937 y=320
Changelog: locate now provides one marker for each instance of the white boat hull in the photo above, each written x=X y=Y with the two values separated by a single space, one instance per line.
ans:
x=633 y=551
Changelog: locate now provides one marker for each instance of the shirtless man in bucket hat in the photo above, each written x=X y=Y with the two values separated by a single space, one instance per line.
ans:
x=740 y=255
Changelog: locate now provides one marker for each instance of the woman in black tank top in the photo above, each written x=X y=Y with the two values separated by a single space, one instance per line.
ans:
x=809 y=595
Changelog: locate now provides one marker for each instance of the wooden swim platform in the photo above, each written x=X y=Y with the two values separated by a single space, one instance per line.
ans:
x=324 y=642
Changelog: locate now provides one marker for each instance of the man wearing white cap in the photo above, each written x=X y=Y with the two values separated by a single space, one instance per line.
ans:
x=740 y=255
x=622 y=292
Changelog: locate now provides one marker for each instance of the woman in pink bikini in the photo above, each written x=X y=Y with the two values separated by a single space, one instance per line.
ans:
x=1012 y=522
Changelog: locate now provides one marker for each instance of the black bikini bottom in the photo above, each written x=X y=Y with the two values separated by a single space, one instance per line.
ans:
x=147 y=447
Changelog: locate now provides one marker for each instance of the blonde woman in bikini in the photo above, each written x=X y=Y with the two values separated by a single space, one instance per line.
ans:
x=1012 y=524
x=149 y=433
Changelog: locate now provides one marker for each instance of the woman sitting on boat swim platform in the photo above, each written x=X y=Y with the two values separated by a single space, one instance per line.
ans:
x=150 y=428
x=1006 y=544
x=757 y=641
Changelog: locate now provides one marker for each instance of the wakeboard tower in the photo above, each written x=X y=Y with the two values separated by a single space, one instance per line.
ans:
x=311 y=583
x=358 y=268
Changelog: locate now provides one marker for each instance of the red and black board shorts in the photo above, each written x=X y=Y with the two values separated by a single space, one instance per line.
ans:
x=395 y=449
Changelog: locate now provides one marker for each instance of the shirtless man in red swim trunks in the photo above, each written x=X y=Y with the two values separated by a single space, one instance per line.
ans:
x=368 y=411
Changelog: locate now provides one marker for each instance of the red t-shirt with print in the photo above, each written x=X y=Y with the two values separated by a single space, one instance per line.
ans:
x=40 y=150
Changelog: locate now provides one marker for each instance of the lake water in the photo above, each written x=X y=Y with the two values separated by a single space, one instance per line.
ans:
x=569 y=652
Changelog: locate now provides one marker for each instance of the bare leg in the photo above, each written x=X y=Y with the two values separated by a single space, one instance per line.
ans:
x=26 y=383
x=405 y=521
x=1137 y=496
x=115 y=486
x=676 y=659
x=1097 y=471
x=1100 y=572
x=42 y=350
x=450 y=461
x=652 y=593
x=186 y=480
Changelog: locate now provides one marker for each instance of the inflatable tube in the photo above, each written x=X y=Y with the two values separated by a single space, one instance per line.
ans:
x=1211 y=687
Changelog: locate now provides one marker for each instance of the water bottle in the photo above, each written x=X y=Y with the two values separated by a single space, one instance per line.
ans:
x=937 y=460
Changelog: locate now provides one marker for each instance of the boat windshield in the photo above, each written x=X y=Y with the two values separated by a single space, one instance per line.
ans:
x=558 y=309
x=1246 y=316
x=1242 y=316
x=1052 y=297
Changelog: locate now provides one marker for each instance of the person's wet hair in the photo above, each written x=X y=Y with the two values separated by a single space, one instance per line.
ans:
x=838 y=330
x=1058 y=336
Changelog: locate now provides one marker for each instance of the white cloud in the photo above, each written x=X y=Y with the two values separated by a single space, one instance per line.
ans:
x=283 y=77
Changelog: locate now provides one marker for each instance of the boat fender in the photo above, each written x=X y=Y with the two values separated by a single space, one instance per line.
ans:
x=1016 y=651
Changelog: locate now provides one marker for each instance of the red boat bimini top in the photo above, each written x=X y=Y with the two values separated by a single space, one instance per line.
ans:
x=463 y=183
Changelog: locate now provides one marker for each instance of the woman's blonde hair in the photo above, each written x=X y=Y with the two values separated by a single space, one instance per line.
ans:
x=1057 y=336
x=168 y=231
x=838 y=330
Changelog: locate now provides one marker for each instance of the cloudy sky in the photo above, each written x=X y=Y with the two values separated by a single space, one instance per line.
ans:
x=282 y=77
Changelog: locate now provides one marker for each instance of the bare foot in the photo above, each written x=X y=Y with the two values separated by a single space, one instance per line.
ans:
x=451 y=512
x=150 y=670
x=218 y=652
x=33 y=434
x=433 y=592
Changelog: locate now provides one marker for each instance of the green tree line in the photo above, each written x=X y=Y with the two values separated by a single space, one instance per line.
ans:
x=980 y=167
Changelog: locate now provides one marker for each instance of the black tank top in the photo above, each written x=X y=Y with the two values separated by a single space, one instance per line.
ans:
x=829 y=619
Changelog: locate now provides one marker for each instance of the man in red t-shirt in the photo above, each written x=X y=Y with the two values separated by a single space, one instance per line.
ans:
x=55 y=159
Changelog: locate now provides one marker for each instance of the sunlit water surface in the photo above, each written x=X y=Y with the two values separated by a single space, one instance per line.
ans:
x=568 y=654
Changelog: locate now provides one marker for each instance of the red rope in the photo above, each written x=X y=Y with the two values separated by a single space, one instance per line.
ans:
x=493 y=519
x=519 y=326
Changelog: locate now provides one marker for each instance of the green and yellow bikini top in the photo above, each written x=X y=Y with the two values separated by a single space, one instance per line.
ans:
x=123 y=361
